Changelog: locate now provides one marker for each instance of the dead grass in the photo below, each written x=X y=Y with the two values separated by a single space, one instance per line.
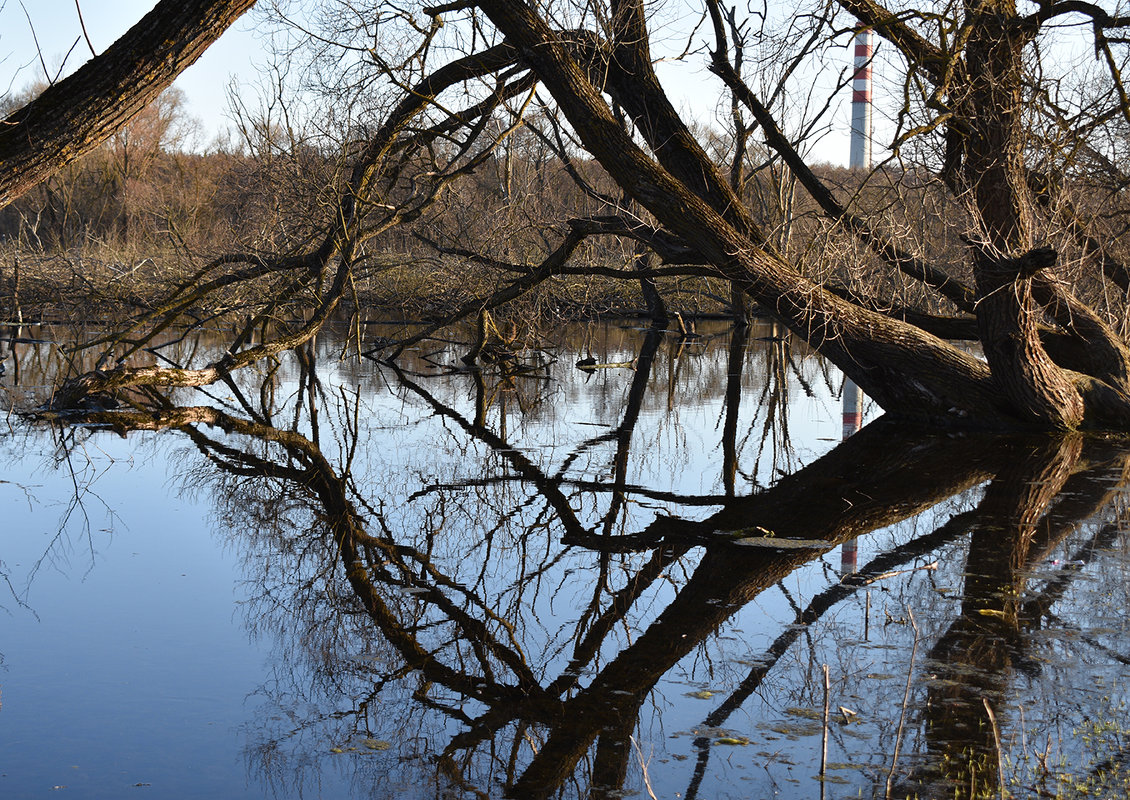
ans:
x=108 y=286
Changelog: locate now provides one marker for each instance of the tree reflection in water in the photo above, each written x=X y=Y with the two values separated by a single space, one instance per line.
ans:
x=504 y=634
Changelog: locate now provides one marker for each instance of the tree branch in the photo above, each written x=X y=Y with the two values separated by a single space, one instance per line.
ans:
x=80 y=112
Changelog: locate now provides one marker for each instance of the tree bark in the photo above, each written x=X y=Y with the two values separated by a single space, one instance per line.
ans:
x=995 y=172
x=80 y=112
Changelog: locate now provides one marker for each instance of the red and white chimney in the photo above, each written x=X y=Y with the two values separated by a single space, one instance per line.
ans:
x=860 y=158
x=861 y=102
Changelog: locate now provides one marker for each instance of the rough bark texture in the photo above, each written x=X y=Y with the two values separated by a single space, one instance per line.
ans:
x=80 y=112
x=997 y=177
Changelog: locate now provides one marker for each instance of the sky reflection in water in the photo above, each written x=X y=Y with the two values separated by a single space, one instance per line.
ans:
x=534 y=584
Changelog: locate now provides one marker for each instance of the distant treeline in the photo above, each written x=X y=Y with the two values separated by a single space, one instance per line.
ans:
x=149 y=190
x=152 y=186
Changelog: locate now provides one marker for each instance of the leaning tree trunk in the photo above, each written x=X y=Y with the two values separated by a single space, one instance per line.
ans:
x=1007 y=314
x=80 y=112
x=906 y=370
x=903 y=368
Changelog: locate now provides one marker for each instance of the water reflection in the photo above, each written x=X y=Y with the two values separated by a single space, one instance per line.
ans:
x=476 y=615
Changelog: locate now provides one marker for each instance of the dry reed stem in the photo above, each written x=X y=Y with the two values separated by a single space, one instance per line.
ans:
x=905 y=703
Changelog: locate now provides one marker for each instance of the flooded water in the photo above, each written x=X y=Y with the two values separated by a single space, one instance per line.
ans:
x=668 y=578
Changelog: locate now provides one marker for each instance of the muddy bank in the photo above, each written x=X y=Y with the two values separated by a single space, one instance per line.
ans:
x=111 y=288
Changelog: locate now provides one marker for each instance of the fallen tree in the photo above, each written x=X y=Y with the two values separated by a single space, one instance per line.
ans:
x=906 y=370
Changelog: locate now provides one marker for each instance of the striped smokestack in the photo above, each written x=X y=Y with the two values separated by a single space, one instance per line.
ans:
x=861 y=103
x=860 y=158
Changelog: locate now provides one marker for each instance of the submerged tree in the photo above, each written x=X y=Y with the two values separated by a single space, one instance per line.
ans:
x=1000 y=137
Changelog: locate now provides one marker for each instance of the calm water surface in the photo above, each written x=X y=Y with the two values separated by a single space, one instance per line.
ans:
x=337 y=578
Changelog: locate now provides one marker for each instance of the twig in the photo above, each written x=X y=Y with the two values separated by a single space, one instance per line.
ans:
x=997 y=741
x=38 y=49
x=82 y=24
x=867 y=618
x=17 y=312
x=905 y=702
x=643 y=768
x=893 y=573
x=824 y=737
x=610 y=365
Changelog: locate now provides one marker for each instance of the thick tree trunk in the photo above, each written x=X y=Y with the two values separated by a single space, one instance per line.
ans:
x=80 y=112
x=1007 y=313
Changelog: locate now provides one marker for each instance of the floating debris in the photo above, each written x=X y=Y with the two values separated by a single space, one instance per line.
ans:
x=991 y=612
x=804 y=713
x=778 y=543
